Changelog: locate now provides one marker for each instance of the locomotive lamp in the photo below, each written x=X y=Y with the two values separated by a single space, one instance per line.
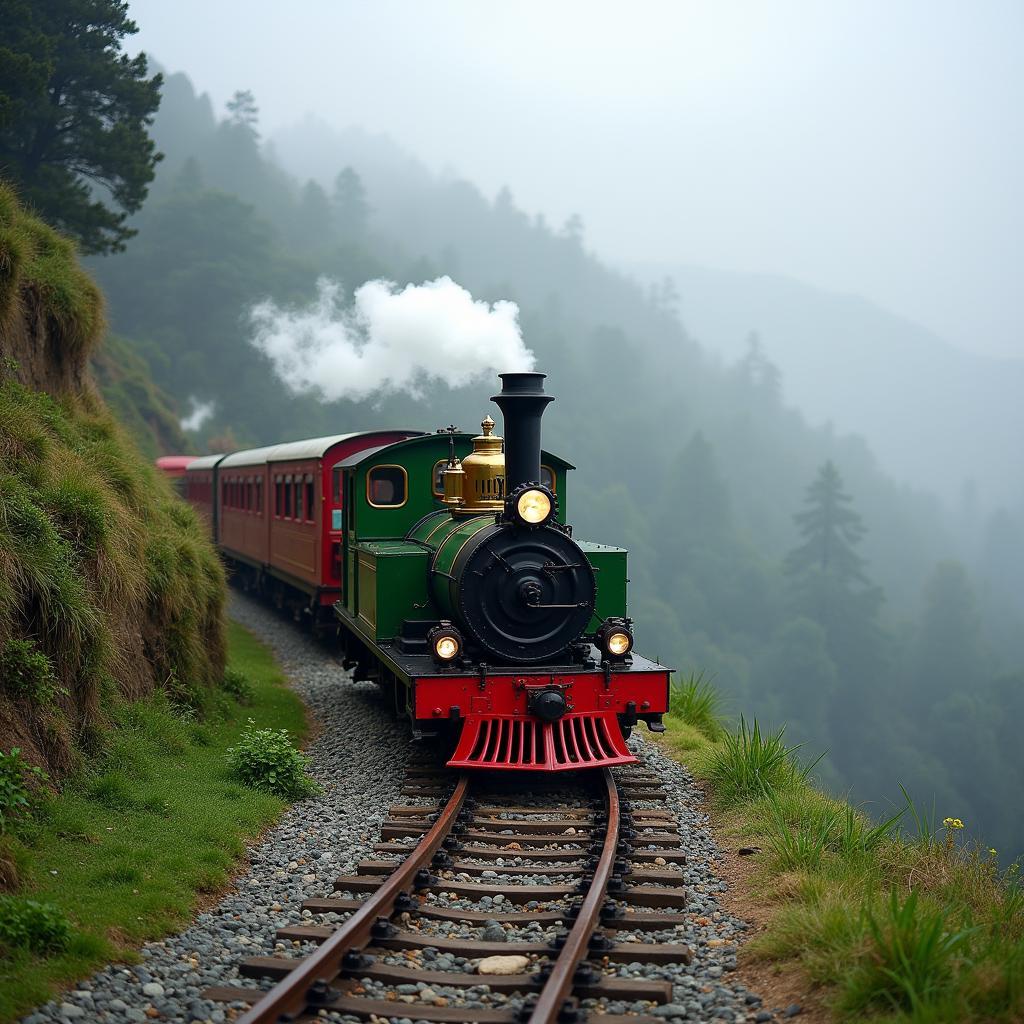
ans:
x=445 y=643
x=615 y=638
x=533 y=506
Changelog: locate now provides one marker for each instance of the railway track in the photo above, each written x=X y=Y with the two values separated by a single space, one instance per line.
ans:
x=610 y=866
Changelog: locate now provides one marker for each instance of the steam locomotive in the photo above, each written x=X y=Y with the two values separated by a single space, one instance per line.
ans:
x=447 y=567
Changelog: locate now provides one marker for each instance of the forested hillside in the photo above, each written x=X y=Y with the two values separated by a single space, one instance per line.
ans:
x=776 y=558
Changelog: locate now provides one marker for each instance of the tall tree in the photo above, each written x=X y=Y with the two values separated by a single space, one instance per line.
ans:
x=351 y=208
x=831 y=529
x=74 y=116
x=827 y=580
x=243 y=112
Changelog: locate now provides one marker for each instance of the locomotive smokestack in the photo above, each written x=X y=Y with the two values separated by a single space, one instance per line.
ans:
x=522 y=402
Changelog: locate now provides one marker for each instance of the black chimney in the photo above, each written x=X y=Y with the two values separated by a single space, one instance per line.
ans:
x=522 y=402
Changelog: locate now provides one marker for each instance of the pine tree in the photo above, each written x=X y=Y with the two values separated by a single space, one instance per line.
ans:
x=831 y=530
x=243 y=112
x=828 y=585
x=827 y=579
x=351 y=209
x=75 y=114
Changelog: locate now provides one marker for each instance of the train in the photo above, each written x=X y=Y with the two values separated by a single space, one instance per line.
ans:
x=446 y=565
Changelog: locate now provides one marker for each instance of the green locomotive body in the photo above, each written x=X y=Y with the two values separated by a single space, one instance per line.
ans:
x=481 y=625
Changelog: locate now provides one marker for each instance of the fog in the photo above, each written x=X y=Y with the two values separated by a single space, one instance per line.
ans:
x=864 y=147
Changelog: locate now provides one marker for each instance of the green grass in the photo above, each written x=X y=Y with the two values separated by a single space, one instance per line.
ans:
x=913 y=926
x=127 y=848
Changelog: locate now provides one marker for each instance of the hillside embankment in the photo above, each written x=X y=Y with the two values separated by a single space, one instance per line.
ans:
x=908 y=919
x=109 y=587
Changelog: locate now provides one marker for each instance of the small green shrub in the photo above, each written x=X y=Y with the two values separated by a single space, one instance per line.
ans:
x=16 y=796
x=749 y=764
x=237 y=684
x=27 y=673
x=911 y=958
x=266 y=759
x=698 y=704
x=36 y=927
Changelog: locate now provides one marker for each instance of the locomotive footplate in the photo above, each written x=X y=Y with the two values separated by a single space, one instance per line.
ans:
x=538 y=717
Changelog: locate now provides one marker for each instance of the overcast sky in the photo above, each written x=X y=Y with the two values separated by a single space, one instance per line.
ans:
x=869 y=147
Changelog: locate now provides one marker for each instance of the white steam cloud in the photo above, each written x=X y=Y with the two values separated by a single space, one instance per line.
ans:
x=389 y=340
x=201 y=412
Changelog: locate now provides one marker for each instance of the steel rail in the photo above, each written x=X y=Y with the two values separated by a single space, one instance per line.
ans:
x=559 y=985
x=307 y=985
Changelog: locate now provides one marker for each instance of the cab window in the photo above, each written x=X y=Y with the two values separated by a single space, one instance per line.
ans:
x=547 y=478
x=386 y=486
x=438 y=478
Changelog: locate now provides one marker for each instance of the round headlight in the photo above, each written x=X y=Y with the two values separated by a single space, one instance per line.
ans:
x=533 y=507
x=619 y=644
x=615 y=638
x=446 y=647
x=444 y=642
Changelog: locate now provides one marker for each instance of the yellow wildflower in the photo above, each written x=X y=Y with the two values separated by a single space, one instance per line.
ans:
x=952 y=823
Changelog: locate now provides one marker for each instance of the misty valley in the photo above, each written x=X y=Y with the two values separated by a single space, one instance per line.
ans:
x=776 y=554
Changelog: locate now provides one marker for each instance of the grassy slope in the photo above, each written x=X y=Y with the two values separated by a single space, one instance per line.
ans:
x=127 y=847
x=895 y=927
x=103 y=571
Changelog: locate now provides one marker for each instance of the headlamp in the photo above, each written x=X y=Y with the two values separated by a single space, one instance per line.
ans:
x=615 y=638
x=445 y=643
x=534 y=506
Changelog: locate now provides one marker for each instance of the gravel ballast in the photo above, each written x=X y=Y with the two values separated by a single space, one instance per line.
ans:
x=359 y=757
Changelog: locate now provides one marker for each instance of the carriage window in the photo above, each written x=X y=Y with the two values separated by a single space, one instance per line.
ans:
x=298 y=499
x=438 y=486
x=309 y=499
x=259 y=495
x=336 y=485
x=386 y=486
x=277 y=497
x=288 y=498
x=547 y=478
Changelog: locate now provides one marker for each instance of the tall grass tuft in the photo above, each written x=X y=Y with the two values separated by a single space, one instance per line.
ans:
x=912 y=956
x=748 y=763
x=697 y=703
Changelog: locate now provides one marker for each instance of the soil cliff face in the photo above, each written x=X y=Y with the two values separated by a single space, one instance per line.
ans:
x=109 y=587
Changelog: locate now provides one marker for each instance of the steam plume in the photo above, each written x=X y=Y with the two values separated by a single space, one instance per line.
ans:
x=201 y=412
x=388 y=340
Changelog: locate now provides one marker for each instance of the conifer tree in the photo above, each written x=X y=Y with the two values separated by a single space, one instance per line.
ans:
x=351 y=209
x=829 y=586
x=75 y=114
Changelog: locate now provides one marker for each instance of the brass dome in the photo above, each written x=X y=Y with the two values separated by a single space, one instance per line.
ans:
x=482 y=475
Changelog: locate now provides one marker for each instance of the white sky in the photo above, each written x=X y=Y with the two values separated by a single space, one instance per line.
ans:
x=864 y=146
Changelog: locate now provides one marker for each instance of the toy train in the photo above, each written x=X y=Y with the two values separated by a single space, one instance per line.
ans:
x=446 y=566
